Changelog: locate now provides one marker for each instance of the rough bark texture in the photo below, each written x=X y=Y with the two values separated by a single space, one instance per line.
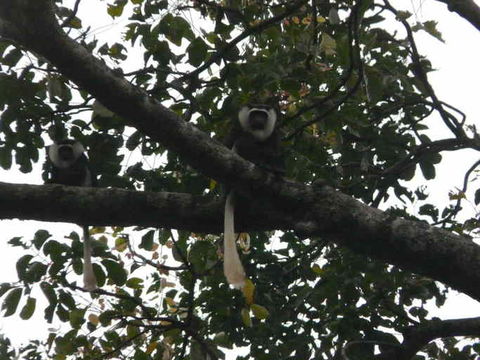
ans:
x=324 y=212
x=417 y=337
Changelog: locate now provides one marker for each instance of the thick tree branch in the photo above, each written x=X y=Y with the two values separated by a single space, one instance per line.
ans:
x=319 y=212
x=416 y=337
x=467 y=9
x=434 y=147
x=100 y=206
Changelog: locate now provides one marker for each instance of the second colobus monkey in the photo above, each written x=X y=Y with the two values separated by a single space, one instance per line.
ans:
x=67 y=164
x=255 y=138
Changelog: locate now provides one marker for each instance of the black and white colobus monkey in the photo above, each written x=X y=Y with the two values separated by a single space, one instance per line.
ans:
x=255 y=138
x=67 y=164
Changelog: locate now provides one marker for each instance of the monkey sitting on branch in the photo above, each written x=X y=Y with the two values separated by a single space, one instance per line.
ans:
x=254 y=137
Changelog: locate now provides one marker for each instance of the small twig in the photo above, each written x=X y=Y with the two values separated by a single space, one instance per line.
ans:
x=456 y=209
x=354 y=43
x=252 y=30
x=182 y=256
x=152 y=263
x=449 y=121
x=416 y=155
x=122 y=345
x=137 y=301
x=72 y=15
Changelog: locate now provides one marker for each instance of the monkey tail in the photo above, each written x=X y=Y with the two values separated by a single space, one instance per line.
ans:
x=232 y=266
x=89 y=279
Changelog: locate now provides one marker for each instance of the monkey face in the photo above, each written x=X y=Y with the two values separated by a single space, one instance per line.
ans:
x=66 y=153
x=257 y=119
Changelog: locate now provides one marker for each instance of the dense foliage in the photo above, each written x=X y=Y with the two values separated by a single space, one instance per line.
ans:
x=354 y=95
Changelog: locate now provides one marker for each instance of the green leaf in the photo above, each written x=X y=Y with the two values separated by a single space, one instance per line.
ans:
x=134 y=283
x=107 y=317
x=365 y=5
x=115 y=271
x=62 y=313
x=175 y=28
x=55 y=87
x=317 y=269
x=17 y=241
x=259 y=311
x=203 y=256
x=249 y=291
x=403 y=15
x=76 y=318
x=429 y=210
x=99 y=274
x=247 y=320
x=40 y=237
x=477 y=197
x=68 y=300
x=140 y=355
x=115 y=10
x=222 y=340
x=197 y=51
x=147 y=240
x=431 y=28
x=428 y=170
x=11 y=301
x=55 y=249
x=4 y=287
x=35 y=272
x=162 y=53
x=328 y=44
x=49 y=292
x=100 y=110
x=28 y=309
x=75 y=23
x=117 y=51
x=22 y=265
x=5 y=158
x=121 y=244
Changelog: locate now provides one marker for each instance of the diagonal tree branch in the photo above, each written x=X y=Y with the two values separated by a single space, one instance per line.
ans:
x=417 y=337
x=467 y=9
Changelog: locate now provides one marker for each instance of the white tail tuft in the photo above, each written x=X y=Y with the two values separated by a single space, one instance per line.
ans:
x=232 y=266
x=89 y=279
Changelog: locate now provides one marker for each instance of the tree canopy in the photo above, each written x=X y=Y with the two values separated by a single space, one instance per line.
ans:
x=335 y=272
